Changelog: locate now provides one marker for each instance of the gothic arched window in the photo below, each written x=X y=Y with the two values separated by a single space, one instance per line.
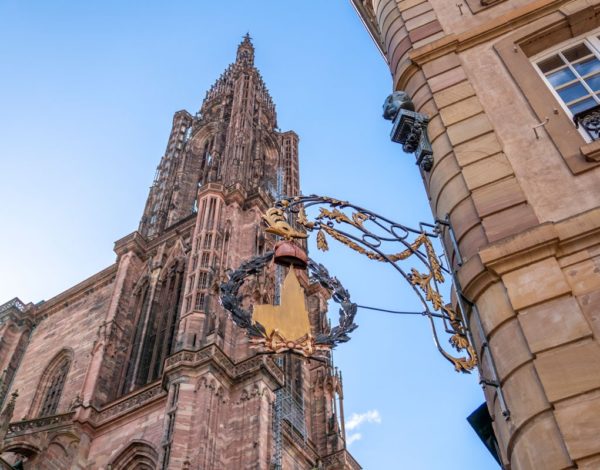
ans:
x=138 y=455
x=51 y=385
x=155 y=331
x=142 y=302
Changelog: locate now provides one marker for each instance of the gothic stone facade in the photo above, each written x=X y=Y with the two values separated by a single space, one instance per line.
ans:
x=139 y=366
x=504 y=83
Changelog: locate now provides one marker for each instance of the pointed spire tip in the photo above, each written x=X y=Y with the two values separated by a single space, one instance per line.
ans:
x=247 y=40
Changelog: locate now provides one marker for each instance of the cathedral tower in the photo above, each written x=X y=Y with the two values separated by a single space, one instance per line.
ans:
x=139 y=366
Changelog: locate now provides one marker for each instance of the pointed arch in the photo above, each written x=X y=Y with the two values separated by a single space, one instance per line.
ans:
x=156 y=322
x=61 y=450
x=203 y=144
x=164 y=317
x=142 y=283
x=138 y=455
x=175 y=255
x=142 y=294
x=22 y=445
x=272 y=161
x=50 y=387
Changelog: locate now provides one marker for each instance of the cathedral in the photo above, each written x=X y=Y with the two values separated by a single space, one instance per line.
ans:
x=139 y=366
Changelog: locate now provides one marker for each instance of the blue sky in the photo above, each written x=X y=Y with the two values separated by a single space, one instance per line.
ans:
x=87 y=94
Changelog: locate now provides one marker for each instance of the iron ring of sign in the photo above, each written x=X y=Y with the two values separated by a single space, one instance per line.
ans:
x=232 y=301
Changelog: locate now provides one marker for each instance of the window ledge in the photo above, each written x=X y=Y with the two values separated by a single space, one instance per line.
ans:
x=478 y=5
x=591 y=151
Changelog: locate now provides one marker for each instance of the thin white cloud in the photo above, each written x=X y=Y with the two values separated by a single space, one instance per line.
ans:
x=357 y=419
x=353 y=438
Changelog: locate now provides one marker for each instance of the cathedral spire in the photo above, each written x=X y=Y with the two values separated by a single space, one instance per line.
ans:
x=234 y=141
x=245 y=52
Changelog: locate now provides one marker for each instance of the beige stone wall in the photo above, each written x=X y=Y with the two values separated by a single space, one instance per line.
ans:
x=537 y=163
x=546 y=340
x=524 y=209
x=457 y=20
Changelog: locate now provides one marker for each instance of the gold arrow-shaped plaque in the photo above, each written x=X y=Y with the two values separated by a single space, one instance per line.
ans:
x=287 y=325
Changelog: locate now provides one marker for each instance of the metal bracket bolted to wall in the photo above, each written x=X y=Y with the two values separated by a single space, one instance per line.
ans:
x=466 y=304
x=409 y=128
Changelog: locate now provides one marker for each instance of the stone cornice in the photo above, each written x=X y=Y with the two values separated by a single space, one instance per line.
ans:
x=124 y=405
x=341 y=459
x=213 y=355
x=215 y=188
x=135 y=242
x=368 y=20
x=235 y=193
x=558 y=239
x=101 y=279
x=39 y=424
x=485 y=32
x=17 y=312
x=407 y=70
x=474 y=277
x=520 y=250
x=91 y=416
x=259 y=199
x=173 y=231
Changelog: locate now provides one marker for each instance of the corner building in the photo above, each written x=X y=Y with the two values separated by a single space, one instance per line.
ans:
x=511 y=90
x=138 y=367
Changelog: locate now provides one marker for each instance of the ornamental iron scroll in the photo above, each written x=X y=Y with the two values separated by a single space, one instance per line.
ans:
x=370 y=234
x=590 y=121
x=409 y=128
x=273 y=342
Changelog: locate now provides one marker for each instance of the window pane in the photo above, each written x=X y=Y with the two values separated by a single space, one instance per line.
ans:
x=577 y=52
x=593 y=82
x=582 y=105
x=550 y=63
x=587 y=66
x=562 y=76
x=572 y=92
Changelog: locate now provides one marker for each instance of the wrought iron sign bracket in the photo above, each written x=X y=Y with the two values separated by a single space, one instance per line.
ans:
x=464 y=302
x=409 y=128
x=409 y=251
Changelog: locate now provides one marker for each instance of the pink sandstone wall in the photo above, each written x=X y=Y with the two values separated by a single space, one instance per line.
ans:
x=73 y=326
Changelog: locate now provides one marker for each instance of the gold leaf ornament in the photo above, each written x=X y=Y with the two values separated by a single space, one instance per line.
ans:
x=464 y=364
x=359 y=218
x=459 y=342
x=302 y=220
x=322 y=241
x=278 y=225
x=336 y=215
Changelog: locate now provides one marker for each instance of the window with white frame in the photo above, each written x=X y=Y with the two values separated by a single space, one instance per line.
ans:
x=572 y=72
